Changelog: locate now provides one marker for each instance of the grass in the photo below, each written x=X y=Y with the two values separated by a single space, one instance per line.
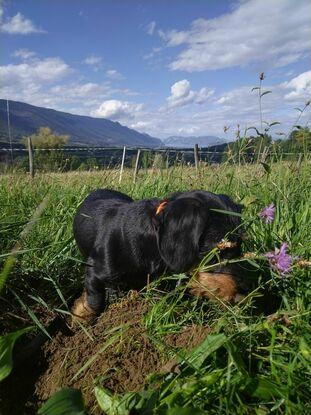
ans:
x=249 y=364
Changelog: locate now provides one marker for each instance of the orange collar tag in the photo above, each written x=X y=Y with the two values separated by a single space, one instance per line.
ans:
x=161 y=207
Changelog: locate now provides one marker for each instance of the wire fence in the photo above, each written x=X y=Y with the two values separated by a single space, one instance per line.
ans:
x=87 y=158
x=112 y=156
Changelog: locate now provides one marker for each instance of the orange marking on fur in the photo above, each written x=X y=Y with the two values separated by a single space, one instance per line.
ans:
x=161 y=207
x=81 y=310
x=215 y=286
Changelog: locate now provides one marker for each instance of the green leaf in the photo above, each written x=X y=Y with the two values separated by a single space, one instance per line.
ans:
x=236 y=357
x=211 y=378
x=198 y=355
x=274 y=123
x=305 y=349
x=6 y=347
x=298 y=109
x=256 y=129
x=265 y=93
x=67 y=401
x=298 y=127
x=253 y=263
x=113 y=404
x=277 y=404
x=263 y=388
x=109 y=403
x=255 y=87
x=266 y=166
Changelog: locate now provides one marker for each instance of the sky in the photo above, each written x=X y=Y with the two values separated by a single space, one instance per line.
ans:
x=162 y=67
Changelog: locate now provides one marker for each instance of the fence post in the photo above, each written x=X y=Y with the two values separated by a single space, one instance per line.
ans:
x=30 y=155
x=196 y=156
x=136 y=165
x=168 y=159
x=122 y=164
x=299 y=161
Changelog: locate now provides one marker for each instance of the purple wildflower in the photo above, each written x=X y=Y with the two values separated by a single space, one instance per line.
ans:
x=279 y=260
x=267 y=213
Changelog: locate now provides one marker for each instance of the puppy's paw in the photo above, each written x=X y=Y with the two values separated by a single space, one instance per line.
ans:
x=215 y=286
x=81 y=311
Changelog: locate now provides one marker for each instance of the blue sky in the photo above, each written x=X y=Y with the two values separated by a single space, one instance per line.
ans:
x=165 y=67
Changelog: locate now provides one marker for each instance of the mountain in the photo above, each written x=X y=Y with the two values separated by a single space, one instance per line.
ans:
x=86 y=131
x=185 y=142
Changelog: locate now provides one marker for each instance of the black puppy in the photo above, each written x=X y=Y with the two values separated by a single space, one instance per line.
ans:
x=125 y=241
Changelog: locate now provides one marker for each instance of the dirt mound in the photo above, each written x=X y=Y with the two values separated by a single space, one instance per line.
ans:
x=116 y=352
x=116 y=347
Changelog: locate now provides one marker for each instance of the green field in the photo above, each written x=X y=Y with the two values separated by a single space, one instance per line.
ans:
x=246 y=362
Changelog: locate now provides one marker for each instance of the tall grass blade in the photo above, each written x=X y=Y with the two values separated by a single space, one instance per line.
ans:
x=6 y=348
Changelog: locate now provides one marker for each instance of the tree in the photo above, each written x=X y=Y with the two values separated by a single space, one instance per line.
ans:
x=299 y=140
x=46 y=139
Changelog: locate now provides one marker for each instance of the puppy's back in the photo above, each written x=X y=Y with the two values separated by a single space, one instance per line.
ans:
x=106 y=194
x=90 y=213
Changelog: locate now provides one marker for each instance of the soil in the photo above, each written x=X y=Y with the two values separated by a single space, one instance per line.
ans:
x=115 y=352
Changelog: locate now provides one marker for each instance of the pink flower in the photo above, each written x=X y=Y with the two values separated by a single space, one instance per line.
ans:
x=267 y=213
x=279 y=260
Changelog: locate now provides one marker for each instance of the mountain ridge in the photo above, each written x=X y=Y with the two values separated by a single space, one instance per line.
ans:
x=84 y=130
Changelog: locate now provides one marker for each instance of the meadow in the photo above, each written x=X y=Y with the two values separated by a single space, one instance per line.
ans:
x=155 y=351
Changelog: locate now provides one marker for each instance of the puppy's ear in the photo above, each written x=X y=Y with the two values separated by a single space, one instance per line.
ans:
x=179 y=226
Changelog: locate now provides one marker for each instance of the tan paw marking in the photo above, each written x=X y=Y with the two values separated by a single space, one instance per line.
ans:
x=215 y=286
x=81 y=310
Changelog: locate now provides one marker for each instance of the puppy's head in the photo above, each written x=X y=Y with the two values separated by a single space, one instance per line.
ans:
x=188 y=227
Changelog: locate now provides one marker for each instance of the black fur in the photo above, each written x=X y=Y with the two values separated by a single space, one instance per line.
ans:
x=124 y=240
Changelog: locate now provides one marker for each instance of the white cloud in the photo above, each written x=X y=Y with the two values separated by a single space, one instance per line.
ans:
x=114 y=74
x=94 y=61
x=188 y=130
x=236 y=106
x=72 y=91
x=36 y=71
x=128 y=92
x=301 y=87
x=153 y=57
x=141 y=125
x=116 y=110
x=181 y=94
x=18 y=25
x=24 y=54
x=180 y=89
x=151 y=28
x=277 y=32
x=28 y=81
x=79 y=98
x=47 y=82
